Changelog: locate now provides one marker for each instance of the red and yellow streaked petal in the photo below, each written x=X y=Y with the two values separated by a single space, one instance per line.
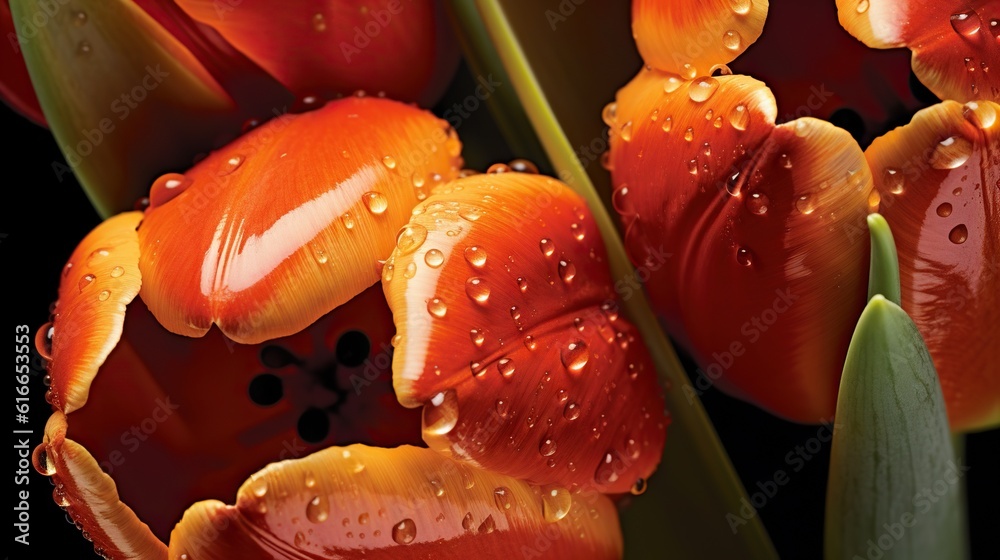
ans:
x=939 y=180
x=327 y=48
x=509 y=336
x=690 y=37
x=398 y=503
x=198 y=416
x=90 y=498
x=287 y=222
x=116 y=87
x=99 y=280
x=766 y=227
x=954 y=47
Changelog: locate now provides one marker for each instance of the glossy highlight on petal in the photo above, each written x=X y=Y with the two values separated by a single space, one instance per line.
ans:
x=398 y=503
x=288 y=221
x=955 y=44
x=90 y=498
x=514 y=346
x=99 y=280
x=760 y=218
x=939 y=181
x=688 y=38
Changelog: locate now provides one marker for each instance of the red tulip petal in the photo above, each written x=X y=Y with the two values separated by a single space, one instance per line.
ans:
x=953 y=47
x=327 y=48
x=766 y=227
x=939 y=179
x=509 y=336
x=90 y=498
x=15 y=84
x=690 y=37
x=100 y=279
x=402 y=503
x=287 y=222
x=200 y=415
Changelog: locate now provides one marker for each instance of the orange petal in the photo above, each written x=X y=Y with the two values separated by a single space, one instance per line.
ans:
x=509 y=336
x=939 y=179
x=401 y=503
x=90 y=498
x=953 y=47
x=198 y=415
x=325 y=48
x=287 y=222
x=99 y=280
x=690 y=37
x=766 y=227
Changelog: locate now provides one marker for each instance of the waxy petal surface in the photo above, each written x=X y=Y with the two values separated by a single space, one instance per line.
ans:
x=289 y=221
x=358 y=501
x=690 y=37
x=939 y=180
x=765 y=225
x=955 y=44
x=99 y=280
x=509 y=336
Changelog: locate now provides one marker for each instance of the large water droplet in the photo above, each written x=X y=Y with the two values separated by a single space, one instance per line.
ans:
x=567 y=270
x=982 y=115
x=167 y=187
x=547 y=447
x=610 y=114
x=477 y=336
x=410 y=238
x=672 y=83
x=607 y=469
x=958 y=234
x=806 y=204
x=389 y=162
x=951 y=152
x=741 y=6
x=556 y=503
x=440 y=414
x=575 y=356
x=626 y=131
x=404 y=532
x=434 y=258
x=744 y=256
x=731 y=40
x=85 y=281
x=476 y=256
x=506 y=367
x=437 y=307
x=944 y=210
x=502 y=496
x=487 y=526
x=522 y=284
x=702 y=89
x=478 y=290
x=621 y=202
x=547 y=246
x=376 y=202
x=572 y=411
x=757 y=203
x=739 y=117
x=104 y=295
x=893 y=180
x=318 y=509
x=966 y=23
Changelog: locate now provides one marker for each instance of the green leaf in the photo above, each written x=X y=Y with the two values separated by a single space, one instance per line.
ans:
x=895 y=485
x=883 y=276
x=685 y=510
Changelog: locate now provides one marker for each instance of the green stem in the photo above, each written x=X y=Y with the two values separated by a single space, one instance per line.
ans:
x=883 y=276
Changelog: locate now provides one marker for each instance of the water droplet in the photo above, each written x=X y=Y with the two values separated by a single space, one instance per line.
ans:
x=958 y=234
x=966 y=23
x=572 y=411
x=387 y=271
x=547 y=246
x=731 y=40
x=502 y=498
x=621 y=202
x=874 y=198
x=79 y=18
x=668 y=123
x=83 y=48
x=434 y=258
x=506 y=367
x=567 y=270
x=995 y=28
x=523 y=166
x=639 y=487
x=744 y=256
x=607 y=470
x=476 y=256
x=389 y=162
x=319 y=23
x=410 y=271
x=497 y=168
x=117 y=272
x=410 y=238
x=529 y=342
x=477 y=289
x=741 y=6
x=689 y=134
x=672 y=83
x=706 y=149
x=318 y=509
x=556 y=503
x=515 y=313
x=477 y=336
x=258 y=486
x=467 y=522
x=692 y=166
x=951 y=152
x=320 y=256
x=700 y=90
x=944 y=210
x=522 y=284
x=610 y=114
x=404 y=532
x=437 y=487
x=575 y=356
x=166 y=187
x=376 y=202
x=863 y=6
x=488 y=525
x=577 y=230
x=470 y=213
x=441 y=414
x=806 y=204
x=982 y=115
x=347 y=220
x=785 y=161
x=437 y=308
x=893 y=180
x=688 y=71
x=547 y=447
x=757 y=203
x=739 y=117
x=104 y=295
x=502 y=408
